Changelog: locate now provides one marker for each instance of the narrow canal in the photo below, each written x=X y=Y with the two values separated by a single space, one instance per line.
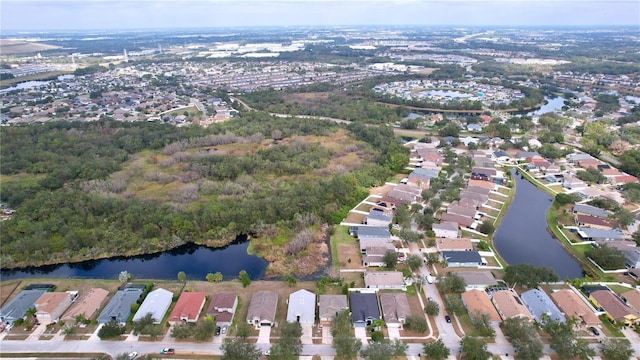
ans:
x=522 y=235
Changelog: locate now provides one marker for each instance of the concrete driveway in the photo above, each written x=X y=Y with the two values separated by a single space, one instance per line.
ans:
x=307 y=334
x=394 y=333
x=327 y=338
x=361 y=333
x=264 y=335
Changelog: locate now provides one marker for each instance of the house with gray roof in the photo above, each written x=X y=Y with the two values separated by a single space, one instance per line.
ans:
x=477 y=279
x=461 y=210
x=262 y=308
x=631 y=258
x=330 y=305
x=302 y=307
x=156 y=303
x=591 y=210
x=18 y=306
x=462 y=258
x=377 y=232
x=427 y=174
x=446 y=229
x=592 y=234
x=395 y=308
x=364 y=309
x=539 y=303
x=384 y=280
x=119 y=308
x=378 y=218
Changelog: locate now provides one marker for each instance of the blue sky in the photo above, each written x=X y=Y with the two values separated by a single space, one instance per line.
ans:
x=159 y=14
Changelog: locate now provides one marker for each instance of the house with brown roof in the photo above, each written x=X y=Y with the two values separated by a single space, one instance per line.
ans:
x=454 y=244
x=330 y=305
x=573 y=306
x=477 y=279
x=223 y=307
x=594 y=222
x=613 y=307
x=395 y=308
x=188 y=307
x=384 y=280
x=51 y=305
x=477 y=302
x=87 y=304
x=446 y=229
x=632 y=298
x=262 y=308
x=483 y=184
x=509 y=305
x=462 y=220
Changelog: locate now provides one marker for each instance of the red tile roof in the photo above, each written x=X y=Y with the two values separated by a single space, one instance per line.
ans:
x=188 y=307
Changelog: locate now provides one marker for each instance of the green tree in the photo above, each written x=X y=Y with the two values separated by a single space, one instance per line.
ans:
x=528 y=275
x=346 y=346
x=472 y=348
x=609 y=258
x=432 y=308
x=290 y=280
x=239 y=350
x=480 y=322
x=384 y=350
x=416 y=323
x=243 y=330
x=390 y=259
x=453 y=304
x=182 y=330
x=624 y=217
x=414 y=261
x=143 y=325
x=124 y=276
x=636 y=237
x=111 y=330
x=182 y=277
x=204 y=329
x=487 y=227
x=436 y=350
x=244 y=278
x=563 y=199
x=289 y=346
x=524 y=339
x=565 y=342
x=616 y=349
x=452 y=283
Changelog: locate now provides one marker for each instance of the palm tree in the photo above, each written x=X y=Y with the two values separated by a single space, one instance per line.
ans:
x=290 y=280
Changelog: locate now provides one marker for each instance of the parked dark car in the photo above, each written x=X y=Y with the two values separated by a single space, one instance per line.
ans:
x=594 y=331
x=448 y=318
x=218 y=330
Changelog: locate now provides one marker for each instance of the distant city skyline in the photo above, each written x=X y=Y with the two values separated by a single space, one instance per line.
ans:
x=33 y=15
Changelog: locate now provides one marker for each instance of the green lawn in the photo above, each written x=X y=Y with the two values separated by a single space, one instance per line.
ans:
x=340 y=236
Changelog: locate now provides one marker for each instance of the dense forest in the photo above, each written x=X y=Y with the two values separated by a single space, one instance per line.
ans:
x=91 y=190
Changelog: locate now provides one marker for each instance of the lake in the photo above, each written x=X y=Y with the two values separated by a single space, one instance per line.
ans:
x=196 y=261
x=522 y=235
x=552 y=105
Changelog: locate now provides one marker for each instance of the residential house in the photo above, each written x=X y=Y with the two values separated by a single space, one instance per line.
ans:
x=374 y=256
x=509 y=305
x=378 y=218
x=262 y=308
x=50 y=306
x=330 y=305
x=585 y=209
x=461 y=210
x=462 y=258
x=87 y=305
x=18 y=306
x=591 y=234
x=481 y=190
x=614 y=308
x=541 y=306
x=573 y=183
x=188 y=307
x=384 y=280
x=119 y=308
x=631 y=258
x=370 y=232
x=223 y=307
x=477 y=279
x=302 y=307
x=483 y=184
x=364 y=309
x=632 y=299
x=395 y=308
x=405 y=193
x=594 y=222
x=501 y=156
x=477 y=303
x=454 y=244
x=572 y=305
x=369 y=245
x=446 y=229
x=156 y=303
x=461 y=220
